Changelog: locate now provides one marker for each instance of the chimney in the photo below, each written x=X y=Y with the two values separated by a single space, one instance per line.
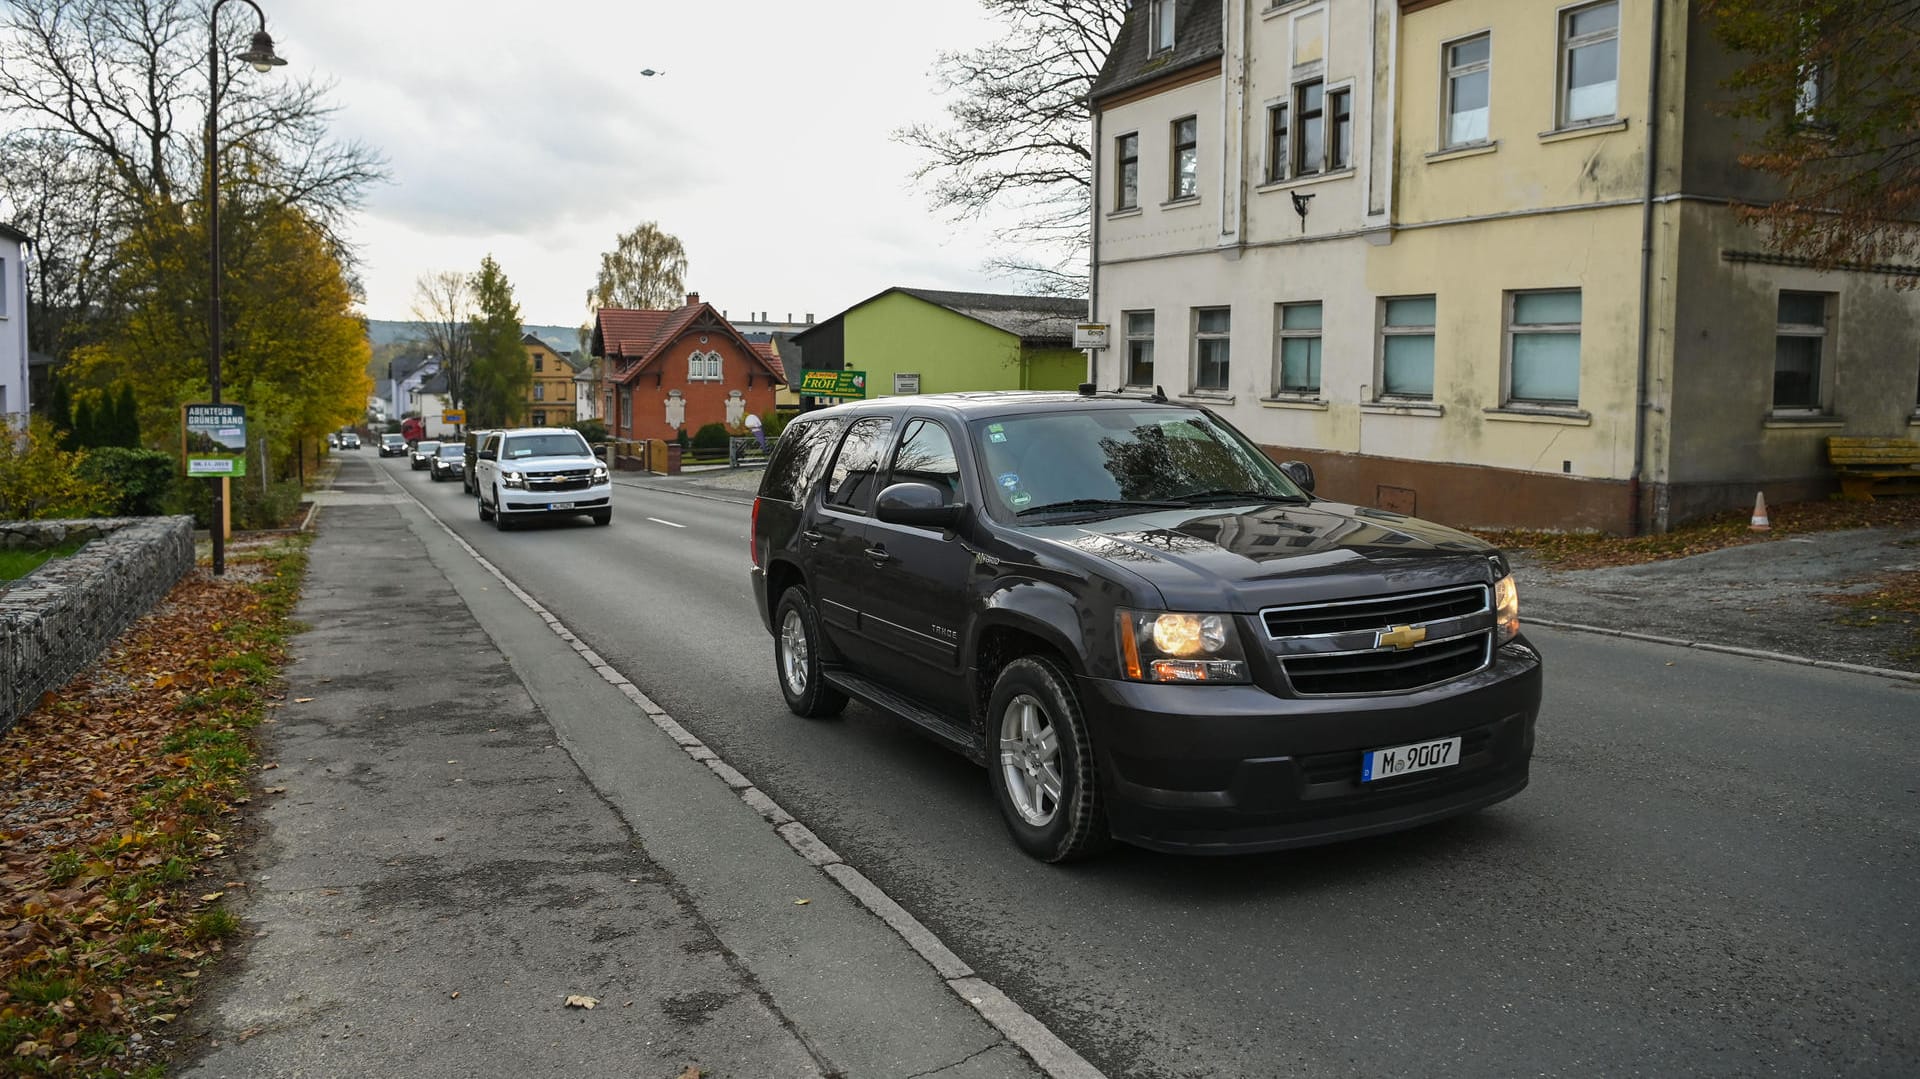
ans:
x=692 y=298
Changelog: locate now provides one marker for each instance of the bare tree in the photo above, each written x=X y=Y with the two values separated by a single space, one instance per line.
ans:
x=57 y=194
x=1017 y=134
x=443 y=305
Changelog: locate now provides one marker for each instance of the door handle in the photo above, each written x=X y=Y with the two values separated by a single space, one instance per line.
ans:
x=813 y=535
x=879 y=554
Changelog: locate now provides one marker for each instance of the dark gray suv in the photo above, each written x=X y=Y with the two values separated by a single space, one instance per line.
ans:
x=1142 y=626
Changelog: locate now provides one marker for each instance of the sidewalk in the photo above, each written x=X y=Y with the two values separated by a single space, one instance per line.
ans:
x=466 y=826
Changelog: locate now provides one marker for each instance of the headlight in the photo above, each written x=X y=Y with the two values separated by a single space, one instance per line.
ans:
x=599 y=473
x=1173 y=646
x=1506 y=610
x=513 y=479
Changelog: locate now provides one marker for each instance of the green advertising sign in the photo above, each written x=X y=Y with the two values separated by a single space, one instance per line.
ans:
x=213 y=439
x=832 y=384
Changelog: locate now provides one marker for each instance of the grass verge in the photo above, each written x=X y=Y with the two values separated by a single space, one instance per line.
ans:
x=118 y=796
x=17 y=564
x=1592 y=550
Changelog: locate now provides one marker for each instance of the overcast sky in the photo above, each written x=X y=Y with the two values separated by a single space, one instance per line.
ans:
x=525 y=130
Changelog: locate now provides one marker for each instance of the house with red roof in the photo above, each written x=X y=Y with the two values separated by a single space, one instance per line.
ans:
x=665 y=371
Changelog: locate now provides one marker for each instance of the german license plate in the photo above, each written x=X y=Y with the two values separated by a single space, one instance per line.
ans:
x=559 y=505
x=1404 y=760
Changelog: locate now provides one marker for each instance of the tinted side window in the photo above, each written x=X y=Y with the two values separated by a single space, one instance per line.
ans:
x=797 y=458
x=492 y=444
x=856 y=469
x=926 y=456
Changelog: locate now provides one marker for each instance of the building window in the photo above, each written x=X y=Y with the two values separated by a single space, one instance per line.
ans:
x=1799 y=351
x=1589 y=63
x=626 y=410
x=1139 y=336
x=1212 y=332
x=1310 y=138
x=1340 y=133
x=1277 y=145
x=1406 y=346
x=1186 y=158
x=1160 y=25
x=1469 y=73
x=539 y=419
x=1543 y=347
x=1126 y=153
x=4 y=291
x=539 y=391
x=539 y=363
x=1299 y=349
x=1814 y=92
x=703 y=367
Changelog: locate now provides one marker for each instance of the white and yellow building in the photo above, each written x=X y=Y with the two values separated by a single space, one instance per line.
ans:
x=1474 y=260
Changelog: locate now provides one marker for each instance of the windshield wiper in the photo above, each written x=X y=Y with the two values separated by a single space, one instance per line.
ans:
x=1098 y=504
x=1225 y=494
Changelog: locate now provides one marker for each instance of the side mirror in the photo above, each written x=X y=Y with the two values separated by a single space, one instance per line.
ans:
x=487 y=455
x=1301 y=473
x=921 y=505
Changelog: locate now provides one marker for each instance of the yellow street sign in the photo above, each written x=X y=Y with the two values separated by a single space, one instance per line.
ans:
x=454 y=416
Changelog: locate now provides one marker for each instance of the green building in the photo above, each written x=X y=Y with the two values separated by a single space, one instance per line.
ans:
x=910 y=340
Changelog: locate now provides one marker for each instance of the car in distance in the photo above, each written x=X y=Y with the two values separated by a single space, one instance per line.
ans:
x=1141 y=625
x=393 y=446
x=448 y=461
x=473 y=441
x=349 y=440
x=535 y=472
x=423 y=452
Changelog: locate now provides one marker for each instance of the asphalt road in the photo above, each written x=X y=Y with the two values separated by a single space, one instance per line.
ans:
x=1713 y=872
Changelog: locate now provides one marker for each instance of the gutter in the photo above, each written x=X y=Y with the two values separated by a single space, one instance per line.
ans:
x=1093 y=241
x=1640 y=403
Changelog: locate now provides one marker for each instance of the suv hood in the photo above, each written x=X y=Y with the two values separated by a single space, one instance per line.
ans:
x=1276 y=554
x=548 y=464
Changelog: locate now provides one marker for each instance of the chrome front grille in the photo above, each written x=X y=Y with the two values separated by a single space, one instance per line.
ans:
x=1384 y=644
x=569 y=480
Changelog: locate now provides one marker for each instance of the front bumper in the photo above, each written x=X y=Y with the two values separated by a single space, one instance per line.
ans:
x=1236 y=769
x=515 y=502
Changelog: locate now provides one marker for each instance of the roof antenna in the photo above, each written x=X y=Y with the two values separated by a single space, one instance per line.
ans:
x=1159 y=395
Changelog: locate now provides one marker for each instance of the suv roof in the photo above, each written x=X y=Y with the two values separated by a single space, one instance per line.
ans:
x=1000 y=402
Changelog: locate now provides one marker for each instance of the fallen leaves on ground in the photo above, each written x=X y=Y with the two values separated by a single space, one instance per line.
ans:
x=577 y=1001
x=1593 y=550
x=115 y=794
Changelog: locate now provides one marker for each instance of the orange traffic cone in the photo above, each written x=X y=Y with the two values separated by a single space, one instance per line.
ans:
x=1759 y=523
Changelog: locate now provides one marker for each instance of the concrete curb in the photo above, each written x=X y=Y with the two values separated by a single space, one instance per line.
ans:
x=1727 y=649
x=1020 y=1027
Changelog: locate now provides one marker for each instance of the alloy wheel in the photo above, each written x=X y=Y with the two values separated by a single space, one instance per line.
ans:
x=1030 y=760
x=794 y=652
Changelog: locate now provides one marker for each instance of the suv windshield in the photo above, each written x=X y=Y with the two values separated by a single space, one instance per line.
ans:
x=567 y=445
x=1111 y=460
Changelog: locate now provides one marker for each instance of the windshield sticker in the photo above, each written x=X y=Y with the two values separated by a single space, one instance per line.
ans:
x=1020 y=499
x=996 y=433
x=1009 y=480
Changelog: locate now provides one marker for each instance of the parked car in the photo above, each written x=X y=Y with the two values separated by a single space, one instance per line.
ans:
x=1141 y=625
x=333 y=441
x=448 y=461
x=424 y=452
x=393 y=446
x=350 y=440
x=535 y=472
x=473 y=441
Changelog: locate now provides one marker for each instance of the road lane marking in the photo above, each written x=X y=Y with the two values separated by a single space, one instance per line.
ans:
x=1020 y=1027
x=669 y=524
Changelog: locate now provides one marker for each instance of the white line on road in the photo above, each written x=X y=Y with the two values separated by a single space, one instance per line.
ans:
x=669 y=524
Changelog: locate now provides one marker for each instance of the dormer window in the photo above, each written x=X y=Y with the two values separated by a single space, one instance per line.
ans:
x=1159 y=26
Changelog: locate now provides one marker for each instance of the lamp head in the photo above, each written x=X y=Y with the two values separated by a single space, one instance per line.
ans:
x=260 y=54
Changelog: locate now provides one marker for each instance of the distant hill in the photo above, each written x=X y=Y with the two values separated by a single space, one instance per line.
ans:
x=387 y=332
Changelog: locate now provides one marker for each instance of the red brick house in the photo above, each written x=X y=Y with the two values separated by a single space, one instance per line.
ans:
x=685 y=368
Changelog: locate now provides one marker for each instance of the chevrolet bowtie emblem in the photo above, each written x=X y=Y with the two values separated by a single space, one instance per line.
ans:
x=1400 y=638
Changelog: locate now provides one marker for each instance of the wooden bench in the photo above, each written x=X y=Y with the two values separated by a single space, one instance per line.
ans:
x=1875 y=466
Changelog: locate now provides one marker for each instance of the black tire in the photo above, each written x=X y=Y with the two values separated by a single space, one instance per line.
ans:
x=500 y=515
x=796 y=658
x=603 y=517
x=1076 y=825
x=481 y=501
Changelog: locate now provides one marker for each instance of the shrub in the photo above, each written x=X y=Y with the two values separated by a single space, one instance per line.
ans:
x=251 y=507
x=135 y=481
x=711 y=438
x=592 y=430
x=39 y=480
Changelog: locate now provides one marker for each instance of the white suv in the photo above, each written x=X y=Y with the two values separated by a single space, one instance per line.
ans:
x=540 y=472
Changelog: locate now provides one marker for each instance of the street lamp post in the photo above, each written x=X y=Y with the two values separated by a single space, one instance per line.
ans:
x=261 y=55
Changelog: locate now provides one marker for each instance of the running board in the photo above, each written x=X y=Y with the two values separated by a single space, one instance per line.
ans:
x=930 y=723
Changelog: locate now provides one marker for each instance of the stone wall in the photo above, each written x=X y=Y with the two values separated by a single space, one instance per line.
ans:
x=57 y=619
